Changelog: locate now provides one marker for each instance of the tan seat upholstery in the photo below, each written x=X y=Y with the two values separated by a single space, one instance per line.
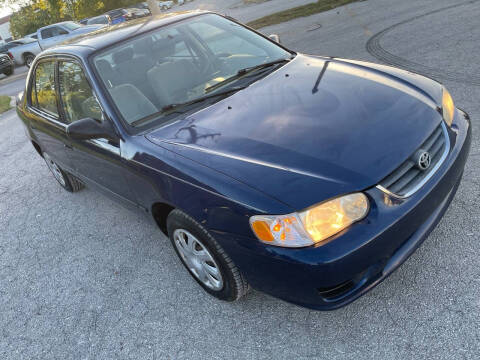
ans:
x=171 y=81
x=133 y=105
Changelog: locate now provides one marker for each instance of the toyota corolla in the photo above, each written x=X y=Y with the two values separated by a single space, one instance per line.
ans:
x=310 y=178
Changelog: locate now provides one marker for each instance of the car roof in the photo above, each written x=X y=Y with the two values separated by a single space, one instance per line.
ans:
x=107 y=36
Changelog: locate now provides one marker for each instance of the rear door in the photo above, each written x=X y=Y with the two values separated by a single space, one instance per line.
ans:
x=43 y=113
x=98 y=162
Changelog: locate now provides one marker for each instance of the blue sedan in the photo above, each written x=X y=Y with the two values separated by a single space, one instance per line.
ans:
x=310 y=178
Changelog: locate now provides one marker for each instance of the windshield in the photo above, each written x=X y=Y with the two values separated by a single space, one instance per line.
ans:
x=183 y=62
x=71 y=25
x=98 y=20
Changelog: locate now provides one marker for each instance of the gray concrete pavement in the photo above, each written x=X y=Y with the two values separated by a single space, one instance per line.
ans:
x=240 y=11
x=83 y=278
x=13 y=84
x=12 y=88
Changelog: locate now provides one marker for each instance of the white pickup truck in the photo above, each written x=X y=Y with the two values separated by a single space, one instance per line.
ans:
x=48 y=36
x=24 y=51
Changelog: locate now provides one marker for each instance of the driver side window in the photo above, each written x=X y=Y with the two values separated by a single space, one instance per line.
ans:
x=53 y=31
x=78 y=100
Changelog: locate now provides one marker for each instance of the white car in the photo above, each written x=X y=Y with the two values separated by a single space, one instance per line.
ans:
x=165 y=5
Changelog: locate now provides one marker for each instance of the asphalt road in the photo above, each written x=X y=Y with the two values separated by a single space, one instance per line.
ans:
x=15 y=83
x=83 y=278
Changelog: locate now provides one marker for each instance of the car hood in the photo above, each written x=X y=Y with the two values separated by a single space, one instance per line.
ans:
x=314 y=129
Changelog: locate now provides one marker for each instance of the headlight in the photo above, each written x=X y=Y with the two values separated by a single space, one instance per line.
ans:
x=448 y=107
x=313 y=225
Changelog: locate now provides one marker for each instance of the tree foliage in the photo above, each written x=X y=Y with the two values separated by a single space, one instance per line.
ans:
x=33 y=14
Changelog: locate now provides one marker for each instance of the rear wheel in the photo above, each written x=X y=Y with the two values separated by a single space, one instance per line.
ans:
x=9 y=71
x=28 y=59
x=66 y=180
x=204 y=259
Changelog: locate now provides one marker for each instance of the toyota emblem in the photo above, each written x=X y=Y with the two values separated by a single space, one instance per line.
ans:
x=423 y=160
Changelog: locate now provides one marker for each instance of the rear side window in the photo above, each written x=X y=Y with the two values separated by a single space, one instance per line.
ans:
x=98 y=20
x=77 y=96
x=43 y=93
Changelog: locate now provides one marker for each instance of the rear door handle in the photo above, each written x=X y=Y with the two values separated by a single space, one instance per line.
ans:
x=68 y=146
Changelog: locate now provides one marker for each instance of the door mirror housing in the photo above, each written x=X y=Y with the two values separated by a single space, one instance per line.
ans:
x=275 y=38
x=88 y=128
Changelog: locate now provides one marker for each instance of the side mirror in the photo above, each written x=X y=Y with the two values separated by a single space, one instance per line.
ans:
x=88 y=128
x=18 y=98
x=275 y=38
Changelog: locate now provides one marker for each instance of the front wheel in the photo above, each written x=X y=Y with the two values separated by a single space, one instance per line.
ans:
x=204 y=259
x=66 y=180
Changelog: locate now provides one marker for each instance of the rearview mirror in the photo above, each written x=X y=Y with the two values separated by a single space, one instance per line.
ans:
x=275 y=38
x=89 y=128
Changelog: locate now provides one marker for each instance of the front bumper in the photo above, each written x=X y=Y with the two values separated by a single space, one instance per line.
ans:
x=333 y=275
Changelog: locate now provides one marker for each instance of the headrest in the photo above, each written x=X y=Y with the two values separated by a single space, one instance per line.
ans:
x=123 y=55
x=164 y=47
x=104 y=67
x=143 y=46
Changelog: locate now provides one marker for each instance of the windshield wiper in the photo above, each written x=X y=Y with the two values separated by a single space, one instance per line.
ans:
x=262 y=66
x=245 y=71
x=171 y=108
x=202 y=98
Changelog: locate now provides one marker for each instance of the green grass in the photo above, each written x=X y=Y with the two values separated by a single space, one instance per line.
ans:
x=300 y=11
x=4 y=103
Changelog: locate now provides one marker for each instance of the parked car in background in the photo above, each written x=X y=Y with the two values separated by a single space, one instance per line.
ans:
x=54 y=34
x=165 y=5
x=32 y=35
x=101 y=19
x=5 y=48
x=311 y=178
x=138 y=13
x=120 y=15
x=6 y=64
x=141 y=5
x=25 y=51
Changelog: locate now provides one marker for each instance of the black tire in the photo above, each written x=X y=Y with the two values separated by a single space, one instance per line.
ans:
x=234 y=285
x=9 y=71
x=28 y=58
x=66 y=180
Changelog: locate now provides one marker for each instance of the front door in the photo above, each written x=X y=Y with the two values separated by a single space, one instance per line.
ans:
x=52 y=35
x=98 y=162
x=43 y=114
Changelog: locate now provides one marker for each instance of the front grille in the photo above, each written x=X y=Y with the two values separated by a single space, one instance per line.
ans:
x=409 y=177
x=4 y=59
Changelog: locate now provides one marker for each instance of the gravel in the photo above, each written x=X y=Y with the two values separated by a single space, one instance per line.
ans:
x=83 y=278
